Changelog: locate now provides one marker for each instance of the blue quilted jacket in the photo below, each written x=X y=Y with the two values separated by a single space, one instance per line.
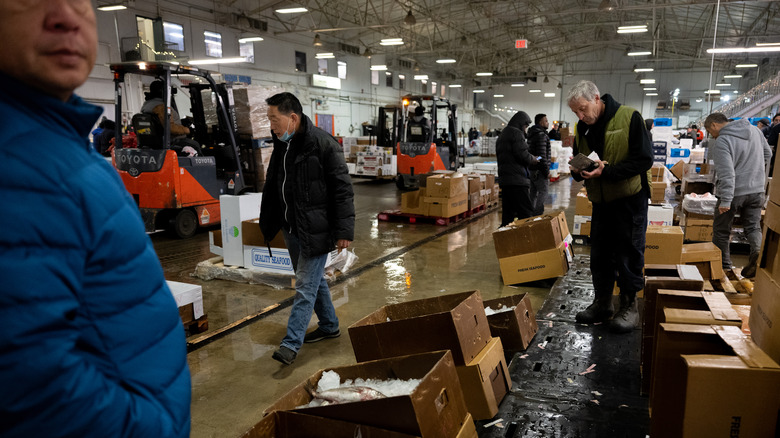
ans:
x=90 y=339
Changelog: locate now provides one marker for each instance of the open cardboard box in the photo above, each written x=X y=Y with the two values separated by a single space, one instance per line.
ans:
x=436 y=408
x=288 y=424
x=485 y=381
x=679 y=277
x=712 y=381
x=517 y=327
x=455 y=322
x=531 y=235
x=706 y=257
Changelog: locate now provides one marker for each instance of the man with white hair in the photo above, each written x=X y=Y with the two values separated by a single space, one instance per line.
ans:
x=618 y=188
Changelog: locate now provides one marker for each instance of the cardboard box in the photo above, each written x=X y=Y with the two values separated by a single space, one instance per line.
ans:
x=447 y=206
x=189 y=296
x=468 y=430
x=677 y=170
x=698 y=187
x=663 y=245
x=534 y=266
x=678 y=277
x=770 y=247
x=699 y=233
x=563 y=226
x=454 y=322
x=447 y=185
x=257 y=258
x=289 y=424
x=706 y=257
x=765 y=314
x=234 y=210
x=712 y=381
x=517 y=327
x=657 y=172
x=660 y=215
x=583 y=206
x=475 y=184
x=412 y=202
x=529 y=235
x=581 y=225
x=475 y=200
x=485 y=381
x=436 y=408
x=774 y=190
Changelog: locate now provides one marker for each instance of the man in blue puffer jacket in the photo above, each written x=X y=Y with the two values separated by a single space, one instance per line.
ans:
x=91 y=341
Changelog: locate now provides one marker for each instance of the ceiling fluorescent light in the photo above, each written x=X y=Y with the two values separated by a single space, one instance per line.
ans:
x=746 y=66
x=647 y=81
x=712 y=92
x=455 y=85
x=498 y=95
x=535 y=91
x=420 y=77
x=114 y=7
x=380 y=67
x=723 y=85
x=249 y=39
x=485 y=73
x=651 y=94
x=518 y=85
x=632 y=29
x=767 y=44
x=291 y=10
x=217 y=61
x=650 y=89
x=640 y=53
x=640 y=26
x=744 y=49
x=642 y=70
x=325 y=56
x=446 y=61
x=549 y=94
x=391 y=42
x=479 y=91
x=732 y=76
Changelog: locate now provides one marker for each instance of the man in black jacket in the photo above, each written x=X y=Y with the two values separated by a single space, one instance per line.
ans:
x=308 y=196
x=514 y=175
x=539 y=146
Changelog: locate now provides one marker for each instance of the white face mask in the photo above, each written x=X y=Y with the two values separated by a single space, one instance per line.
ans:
x=287 y=135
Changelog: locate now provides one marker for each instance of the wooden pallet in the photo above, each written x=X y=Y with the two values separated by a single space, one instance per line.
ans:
x=399 y=216
x=196 y=326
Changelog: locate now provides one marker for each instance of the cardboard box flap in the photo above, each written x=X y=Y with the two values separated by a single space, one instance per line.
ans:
x=745 y=348
x=720 y=306
x=688 y=328
x=681 y=293
x=429 y=306
x=700 y=252
x=689 y=272
x=690 y=316
x=487 y=358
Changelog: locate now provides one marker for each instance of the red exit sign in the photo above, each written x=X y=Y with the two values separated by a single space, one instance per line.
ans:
x=521 y=44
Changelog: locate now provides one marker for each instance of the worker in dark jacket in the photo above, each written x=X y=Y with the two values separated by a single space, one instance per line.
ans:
x=619 y=190
x=539 y=146
x=92 y=344
x=514 y=175
x=308 y=196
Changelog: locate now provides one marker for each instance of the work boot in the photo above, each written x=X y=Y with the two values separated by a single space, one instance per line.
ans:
x=284 y=355
x=749 y=271
x=627 y=317
x=599 y=311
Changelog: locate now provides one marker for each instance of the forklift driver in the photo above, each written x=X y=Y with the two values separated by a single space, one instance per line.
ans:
x=418 y=128
x=155 y=105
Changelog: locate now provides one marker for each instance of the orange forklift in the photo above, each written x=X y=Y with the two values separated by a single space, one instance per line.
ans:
x=421 y=150
x=173 y=190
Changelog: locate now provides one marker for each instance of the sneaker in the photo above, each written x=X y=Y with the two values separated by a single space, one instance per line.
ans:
x=749 y=271
x=598 y=311
x=318 y=335
x=284 y=355
x=627 y=317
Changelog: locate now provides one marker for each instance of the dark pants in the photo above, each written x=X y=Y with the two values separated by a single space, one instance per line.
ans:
x=539 y=183
x=749 y=209
x=515 y=203
x=617 y=250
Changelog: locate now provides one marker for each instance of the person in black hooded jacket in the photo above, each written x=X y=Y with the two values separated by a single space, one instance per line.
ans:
x=308 y=196
x=514 y=176
x=539 y=146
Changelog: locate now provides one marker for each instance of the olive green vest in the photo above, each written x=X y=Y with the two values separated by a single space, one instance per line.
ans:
x=615 y=151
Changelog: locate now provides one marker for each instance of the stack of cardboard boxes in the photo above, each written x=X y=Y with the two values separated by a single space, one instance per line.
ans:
x=533 y=249
x=446 y=342
x=449 y=194
x=583 y=214
x=658 y=184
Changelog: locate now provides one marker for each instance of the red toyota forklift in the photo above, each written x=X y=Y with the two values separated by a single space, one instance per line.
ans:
x=422 y=151
x=175 y=191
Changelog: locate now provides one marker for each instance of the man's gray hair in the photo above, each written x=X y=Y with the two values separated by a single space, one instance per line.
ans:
x=585 y=89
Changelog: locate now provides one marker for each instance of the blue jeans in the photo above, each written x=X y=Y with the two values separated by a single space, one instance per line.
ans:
x=311 y=294
x=749 y=208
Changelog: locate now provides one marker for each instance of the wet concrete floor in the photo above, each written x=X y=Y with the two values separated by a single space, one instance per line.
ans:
x=234 y=378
